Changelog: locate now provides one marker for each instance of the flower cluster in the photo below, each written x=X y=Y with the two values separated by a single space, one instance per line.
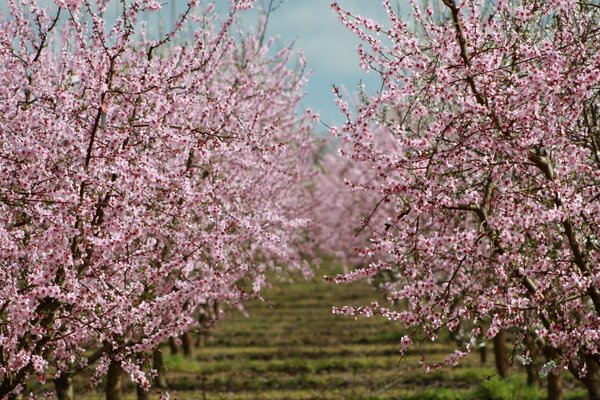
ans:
x=491 y=184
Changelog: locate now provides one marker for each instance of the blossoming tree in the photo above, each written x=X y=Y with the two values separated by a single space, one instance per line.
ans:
x=493 y=177
x=141 y=179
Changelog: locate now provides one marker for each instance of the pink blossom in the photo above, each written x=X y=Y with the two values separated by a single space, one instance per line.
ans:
x=467 y=184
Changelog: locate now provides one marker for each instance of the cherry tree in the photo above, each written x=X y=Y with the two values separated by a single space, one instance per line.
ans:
x=493 y=175
x=142 y=179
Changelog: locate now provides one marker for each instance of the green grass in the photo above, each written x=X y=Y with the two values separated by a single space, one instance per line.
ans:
x=510 y=388
x=293 y=347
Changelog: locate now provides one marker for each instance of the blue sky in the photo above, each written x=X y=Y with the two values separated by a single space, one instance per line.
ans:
x=329 y=47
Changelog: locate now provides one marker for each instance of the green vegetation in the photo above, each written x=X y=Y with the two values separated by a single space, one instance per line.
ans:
x=292 y=347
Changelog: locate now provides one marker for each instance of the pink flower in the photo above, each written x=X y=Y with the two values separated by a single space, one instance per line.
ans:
x=153 y=5
x=68 y=3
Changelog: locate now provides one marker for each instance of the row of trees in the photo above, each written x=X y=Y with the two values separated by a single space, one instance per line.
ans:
x=474 y=170
x=143 y=181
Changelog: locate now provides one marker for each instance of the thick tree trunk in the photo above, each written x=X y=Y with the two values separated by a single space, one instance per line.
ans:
x=500 y=353
x=63 y=386
x=187 y=344
x=173 y=346
x=114 y=382
x=555 y=386
x=158 y=364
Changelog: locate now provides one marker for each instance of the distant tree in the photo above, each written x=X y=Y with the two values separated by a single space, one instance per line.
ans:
x=141 y=179
x=493 y=109
x=346 y=191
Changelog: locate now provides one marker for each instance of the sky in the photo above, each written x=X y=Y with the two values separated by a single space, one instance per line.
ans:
x=313 y=25
x=329 y=47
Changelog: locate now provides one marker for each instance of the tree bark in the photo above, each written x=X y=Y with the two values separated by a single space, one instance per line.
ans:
x=187 y=344
x=141 y=393
x=63 y=386
x=555 y=380
x=555 y=386
x=483 y=354
x=202 y=321
x=533 y=377
x=200 y=340
x=592 y=379
x=501 y=359
x=158 y=364
x=173 y=346
x=114 y=382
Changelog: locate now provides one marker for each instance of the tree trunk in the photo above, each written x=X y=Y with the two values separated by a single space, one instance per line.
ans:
x=500 y=353
x=200 y=340
x=533 y=377
x=202 y=321
x=158 y=364
x=114 y=382
x=592 y=379
x=555 y=380
x=141 y=393
x=555 y=386
x=187 y=344
x=63 y=386
x=173 y=346
x=483 y=354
